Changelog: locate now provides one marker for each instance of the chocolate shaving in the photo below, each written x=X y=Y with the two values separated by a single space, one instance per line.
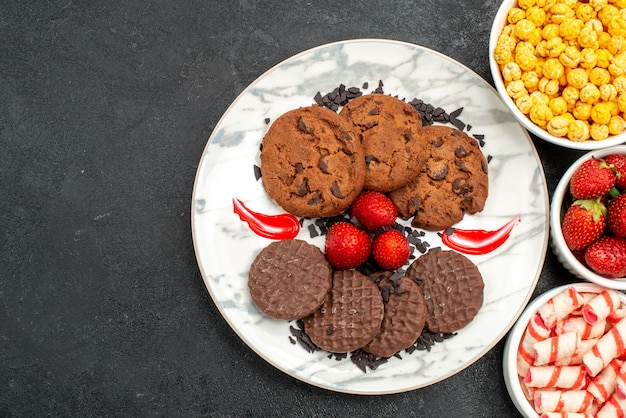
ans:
x=257 y=172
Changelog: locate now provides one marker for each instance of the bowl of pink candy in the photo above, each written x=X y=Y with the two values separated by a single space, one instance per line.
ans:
x=567 y=354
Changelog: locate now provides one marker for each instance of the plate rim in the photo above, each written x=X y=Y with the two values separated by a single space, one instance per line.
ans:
x=270 y=361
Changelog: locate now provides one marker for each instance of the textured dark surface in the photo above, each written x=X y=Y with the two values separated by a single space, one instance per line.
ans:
x=105 y=108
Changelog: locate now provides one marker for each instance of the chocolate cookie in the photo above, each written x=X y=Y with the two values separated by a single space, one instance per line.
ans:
x=312 y=162
x=349 y=317
x=405 y=315
x=289 y=279
x=452 y=286
x=454 y=181
x=390 y=132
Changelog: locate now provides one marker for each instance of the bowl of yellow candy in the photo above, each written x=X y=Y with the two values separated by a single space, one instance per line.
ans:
x=560 y=67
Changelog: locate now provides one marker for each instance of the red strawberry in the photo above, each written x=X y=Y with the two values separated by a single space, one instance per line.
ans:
x=616 y=215
x=374 y=210
x=619 y=165
x=347 y=246
x=592 y=179
x=390 y=249
x=607 y=256
x=584 y=223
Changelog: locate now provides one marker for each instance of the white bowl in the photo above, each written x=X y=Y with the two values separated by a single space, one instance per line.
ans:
x=509 y=359
x=499 y=23
x=557 y=242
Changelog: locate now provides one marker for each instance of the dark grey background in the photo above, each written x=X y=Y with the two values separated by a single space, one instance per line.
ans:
x=105 y=108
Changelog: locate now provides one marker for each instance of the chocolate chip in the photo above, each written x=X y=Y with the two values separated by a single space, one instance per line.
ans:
x=303 y=188
x=299 y=168
x=267 y=121
x=330 y=330
x=437 y=142
x=368 y=158
x=408 y=136
x=461 y=152
x=462 y=166
x=459 y=186
x=336 y=190
x=314 y=200
x=373 y=111
x=323 y=165
x=303 y=127
x=437 y=170
x=257 y=172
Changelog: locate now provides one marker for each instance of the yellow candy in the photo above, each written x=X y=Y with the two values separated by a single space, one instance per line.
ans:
x=570 y=28
x=617 y=26
x=570 y=94
x=526 y=4
x=536 y=15
x=589 y=93
x=550 y=31
x=553 y=69
x=524 y=29
x=531 y=80
x=511 y=71
x=582 y=111
x=588 y=58
x=524 y=103
x=617 y=125
x=603 y=57
x=558 y=126
x=620 y=84
x=608 y=92
x=516 y=89
x=598 y=132
x=540 y=114
x=561 y=12
x=599 y=76
x=515 y=15
x=607 y=13
x=555 y=46
x=598 y=4
x=558 y=106
x=601 y=113
x=578 y=131
x=577 y=78
x=587 y=38
x=585 y=12
x=616 y=44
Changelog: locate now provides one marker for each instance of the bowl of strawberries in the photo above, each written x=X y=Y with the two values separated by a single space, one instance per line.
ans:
x=588 y=218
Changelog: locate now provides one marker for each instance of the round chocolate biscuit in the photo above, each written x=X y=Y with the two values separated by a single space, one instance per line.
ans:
x=405 y=315
x=454 y=181
x=349 y=317
x=390 y=133
x=312 y=162
x=453 y=289
x=289 y=279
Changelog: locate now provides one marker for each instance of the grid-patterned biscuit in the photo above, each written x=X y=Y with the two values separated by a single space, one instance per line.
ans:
x=390 y=132
x=349 y=317
x=453 y=289
x=405 y=315
x=312 y=162
x=453 y=181
x=289 y=279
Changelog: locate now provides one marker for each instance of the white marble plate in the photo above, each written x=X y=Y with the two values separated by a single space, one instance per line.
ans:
x=225 y=246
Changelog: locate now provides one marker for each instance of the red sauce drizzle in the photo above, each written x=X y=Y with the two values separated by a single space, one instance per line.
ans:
x=477 y=241
x=283 y=226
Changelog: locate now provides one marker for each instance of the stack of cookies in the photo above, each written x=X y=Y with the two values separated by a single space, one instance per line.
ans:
x=314 y=163
x=345 y=310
